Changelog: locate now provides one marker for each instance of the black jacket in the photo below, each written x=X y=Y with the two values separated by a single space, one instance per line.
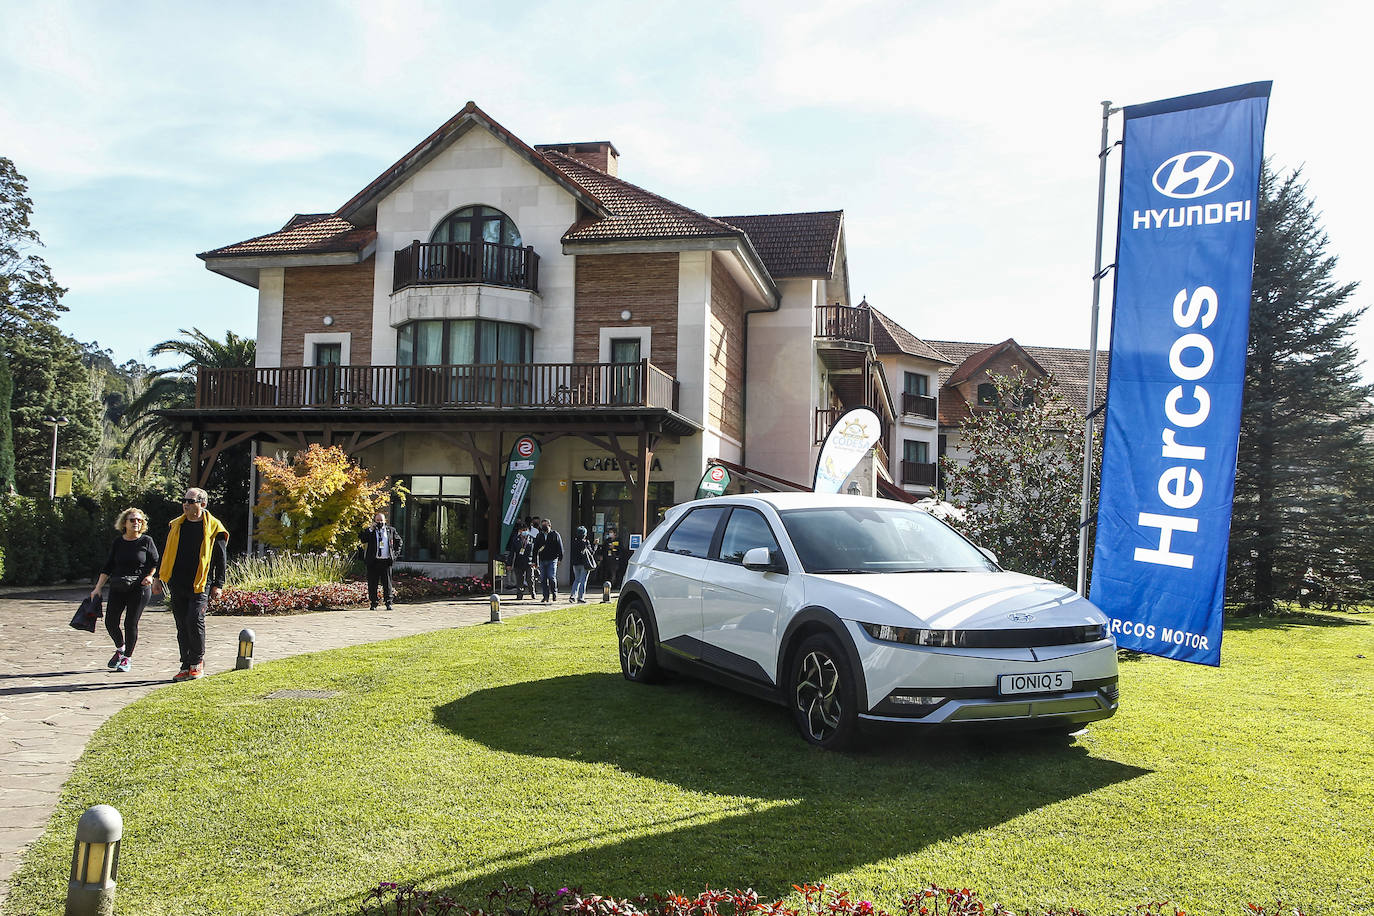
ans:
x=368 y=536
x=548 y=546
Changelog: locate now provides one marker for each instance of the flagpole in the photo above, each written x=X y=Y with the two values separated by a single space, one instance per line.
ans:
x=1103 y=150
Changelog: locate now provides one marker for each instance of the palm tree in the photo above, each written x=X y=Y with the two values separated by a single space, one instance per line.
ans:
x=155 y=435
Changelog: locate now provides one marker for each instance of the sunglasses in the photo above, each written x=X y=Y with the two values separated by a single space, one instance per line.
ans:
x=138 y=521
x=191 y=502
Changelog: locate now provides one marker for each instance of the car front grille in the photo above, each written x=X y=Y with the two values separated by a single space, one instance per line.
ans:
x=1019 y=638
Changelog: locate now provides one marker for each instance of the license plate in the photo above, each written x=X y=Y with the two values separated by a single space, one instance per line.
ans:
x=1039 y=682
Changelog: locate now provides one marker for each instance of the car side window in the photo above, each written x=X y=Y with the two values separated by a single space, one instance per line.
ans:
x=745 y=530
x=693 y=535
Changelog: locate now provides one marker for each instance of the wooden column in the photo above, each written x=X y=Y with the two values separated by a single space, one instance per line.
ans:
x=645 y=460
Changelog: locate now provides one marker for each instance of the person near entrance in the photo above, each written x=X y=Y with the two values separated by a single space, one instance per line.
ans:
x=520 y=557
x=548 y=550
x=381 y=546
x=193 y=566
x=582 y=556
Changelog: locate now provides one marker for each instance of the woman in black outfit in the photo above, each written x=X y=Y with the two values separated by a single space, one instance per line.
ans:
x=129 y=572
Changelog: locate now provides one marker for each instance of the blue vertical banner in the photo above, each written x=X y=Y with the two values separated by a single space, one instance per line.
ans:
x=1180 y=324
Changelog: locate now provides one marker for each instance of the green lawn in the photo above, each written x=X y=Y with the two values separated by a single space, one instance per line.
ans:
x=466 y=758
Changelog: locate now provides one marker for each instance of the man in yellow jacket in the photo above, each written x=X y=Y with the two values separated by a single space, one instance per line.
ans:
x=194 y=558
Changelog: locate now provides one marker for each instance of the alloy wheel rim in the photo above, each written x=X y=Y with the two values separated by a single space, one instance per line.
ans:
x=633 y=648
x=818 y=695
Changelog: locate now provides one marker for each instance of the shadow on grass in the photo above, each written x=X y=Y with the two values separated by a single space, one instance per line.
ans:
x=1291 y=620
x=899 y=795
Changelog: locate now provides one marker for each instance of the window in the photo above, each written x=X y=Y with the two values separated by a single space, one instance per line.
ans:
x=916 y=383
x=444 y=520
x=916 y=451
x=477 y=224
x=987 y=395
x=328 y=357
x=692 y=536
x=625 y=376
x=463 y=342
x=745 y=530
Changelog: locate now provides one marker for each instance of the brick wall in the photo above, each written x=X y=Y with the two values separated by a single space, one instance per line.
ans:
x=726 y=354
x=646 y=284
x=310 y=293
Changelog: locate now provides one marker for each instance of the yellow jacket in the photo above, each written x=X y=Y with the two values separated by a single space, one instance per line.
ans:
x=213 y=529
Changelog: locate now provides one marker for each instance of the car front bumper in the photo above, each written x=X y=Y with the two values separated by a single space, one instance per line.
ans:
x=964 y=681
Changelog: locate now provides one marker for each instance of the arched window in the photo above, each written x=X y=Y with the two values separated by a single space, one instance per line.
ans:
x=477 y=224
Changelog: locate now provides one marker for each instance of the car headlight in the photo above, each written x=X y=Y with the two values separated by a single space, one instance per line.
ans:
x=1023 y=637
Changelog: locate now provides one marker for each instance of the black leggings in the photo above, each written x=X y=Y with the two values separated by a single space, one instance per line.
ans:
x=130 y=603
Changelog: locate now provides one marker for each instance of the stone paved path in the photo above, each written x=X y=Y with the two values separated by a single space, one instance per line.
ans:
x=55 y=690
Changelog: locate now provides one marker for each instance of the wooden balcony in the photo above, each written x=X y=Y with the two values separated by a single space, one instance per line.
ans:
x=918 y=473
x=918 y=405
x=546 y=386
x=438 y=263
x=844 y=322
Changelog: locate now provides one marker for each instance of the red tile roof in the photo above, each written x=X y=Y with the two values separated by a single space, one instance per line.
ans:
x=891 y=337
x=634 y=212
x=787 y=244
x=304 y=233
x=1068 y=366
x=794 y=244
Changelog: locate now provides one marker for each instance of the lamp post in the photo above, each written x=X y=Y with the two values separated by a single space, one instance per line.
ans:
x=55 y=423
x=95 y=862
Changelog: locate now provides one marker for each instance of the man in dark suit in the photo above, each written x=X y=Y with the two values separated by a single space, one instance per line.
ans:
x=381 y=546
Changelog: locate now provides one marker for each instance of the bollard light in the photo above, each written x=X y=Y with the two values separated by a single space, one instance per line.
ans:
x=495 y=608
x=606 y=592
x=95 y=862
x=245 y=660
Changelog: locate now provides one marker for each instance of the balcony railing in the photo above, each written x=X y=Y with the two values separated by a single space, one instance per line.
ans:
x=844 y=322
x=918 y=405
x=431 y=263
x=553 y=386
x=919 y=473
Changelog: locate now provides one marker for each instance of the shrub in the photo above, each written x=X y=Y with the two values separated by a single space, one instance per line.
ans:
x=817 y=900
x=238 y=599
x=287 y=570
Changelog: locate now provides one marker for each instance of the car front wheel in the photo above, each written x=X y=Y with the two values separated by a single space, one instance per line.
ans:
x=823 y=698
x=637 y=660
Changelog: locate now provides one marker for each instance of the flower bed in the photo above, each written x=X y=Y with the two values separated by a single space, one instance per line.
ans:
x=817 y=900
x=352 y=593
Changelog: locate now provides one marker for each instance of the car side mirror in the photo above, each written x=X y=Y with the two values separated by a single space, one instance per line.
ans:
x=761 y=559
x=990 y=555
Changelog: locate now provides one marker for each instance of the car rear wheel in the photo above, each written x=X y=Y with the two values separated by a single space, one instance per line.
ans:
x=823 y=698
x=637 y=639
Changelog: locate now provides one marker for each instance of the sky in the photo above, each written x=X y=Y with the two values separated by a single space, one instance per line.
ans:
x=960 y=139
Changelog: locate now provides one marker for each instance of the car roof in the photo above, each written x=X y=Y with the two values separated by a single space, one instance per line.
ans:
x=785 y=501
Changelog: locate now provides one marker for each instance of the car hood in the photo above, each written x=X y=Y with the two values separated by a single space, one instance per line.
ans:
x=952 y=601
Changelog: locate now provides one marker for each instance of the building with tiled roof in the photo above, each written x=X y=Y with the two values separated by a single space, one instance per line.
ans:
x=481 y=290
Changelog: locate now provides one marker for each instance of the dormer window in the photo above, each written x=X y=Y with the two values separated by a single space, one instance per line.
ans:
x=477 y=224
x=987 y=395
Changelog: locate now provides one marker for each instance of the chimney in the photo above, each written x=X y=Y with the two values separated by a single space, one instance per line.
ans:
x=599 y=154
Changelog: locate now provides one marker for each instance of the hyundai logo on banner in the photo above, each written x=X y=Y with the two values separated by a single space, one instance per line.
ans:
x=1180 y=323
x=1195 y=174
x=1189 y=176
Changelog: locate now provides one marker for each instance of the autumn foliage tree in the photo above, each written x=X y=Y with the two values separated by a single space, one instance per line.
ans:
x=317 y=501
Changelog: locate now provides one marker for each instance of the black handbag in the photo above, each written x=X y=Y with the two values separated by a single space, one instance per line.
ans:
x=90 y=611
x=125 y=583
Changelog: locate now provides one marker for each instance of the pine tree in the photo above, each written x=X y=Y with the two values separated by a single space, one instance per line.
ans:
x=1306 y=412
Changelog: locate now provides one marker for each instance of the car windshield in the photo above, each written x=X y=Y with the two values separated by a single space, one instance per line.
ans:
x=864 y=539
